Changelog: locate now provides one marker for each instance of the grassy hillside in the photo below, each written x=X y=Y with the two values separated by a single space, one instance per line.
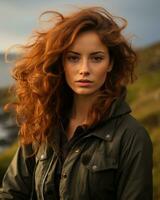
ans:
x=144 y=94
x=144 y=98
x=5 y=159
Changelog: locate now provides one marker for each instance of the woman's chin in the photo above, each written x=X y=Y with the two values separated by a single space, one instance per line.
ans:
x=84 y=92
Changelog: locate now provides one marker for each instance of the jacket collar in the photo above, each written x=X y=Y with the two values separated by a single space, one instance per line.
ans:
x=107 y=127
x=104 y=130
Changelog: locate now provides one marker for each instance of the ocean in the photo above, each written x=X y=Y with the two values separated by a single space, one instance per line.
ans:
x=5 y=81
x=5 y=75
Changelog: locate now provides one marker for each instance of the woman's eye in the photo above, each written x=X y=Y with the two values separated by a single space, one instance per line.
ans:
x=97 y=59
x=73 y=58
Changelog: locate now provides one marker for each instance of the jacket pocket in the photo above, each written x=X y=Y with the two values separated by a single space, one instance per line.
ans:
x=102 y=164
x=99 y=162
x=101 y=172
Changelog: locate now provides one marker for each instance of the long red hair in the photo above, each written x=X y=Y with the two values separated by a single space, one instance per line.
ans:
x=43 y=96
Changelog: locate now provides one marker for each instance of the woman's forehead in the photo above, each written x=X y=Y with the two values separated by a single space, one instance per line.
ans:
x=88 y=41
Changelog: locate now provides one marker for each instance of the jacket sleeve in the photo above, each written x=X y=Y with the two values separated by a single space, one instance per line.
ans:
x=135 y=172
x=17 y=181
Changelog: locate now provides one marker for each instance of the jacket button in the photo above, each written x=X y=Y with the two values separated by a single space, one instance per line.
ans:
x=42 y=156
x=77 y=150
x=108 y=136
x=94 y=167
x=64 y=175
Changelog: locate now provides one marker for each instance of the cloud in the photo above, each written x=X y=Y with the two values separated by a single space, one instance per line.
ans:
x=19 y=17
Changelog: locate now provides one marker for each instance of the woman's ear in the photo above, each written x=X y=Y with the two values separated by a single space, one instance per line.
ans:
x=110 y=66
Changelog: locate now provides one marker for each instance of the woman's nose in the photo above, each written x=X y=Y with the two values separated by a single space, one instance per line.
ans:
x=84 y=67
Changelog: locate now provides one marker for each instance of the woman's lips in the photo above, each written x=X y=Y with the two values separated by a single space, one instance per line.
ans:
x=84 y=83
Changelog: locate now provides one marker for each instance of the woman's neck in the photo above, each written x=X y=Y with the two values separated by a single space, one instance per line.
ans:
x=81 y=107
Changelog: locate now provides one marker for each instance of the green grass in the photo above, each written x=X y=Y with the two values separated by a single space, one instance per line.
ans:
x=156 y=161
x=6 y=158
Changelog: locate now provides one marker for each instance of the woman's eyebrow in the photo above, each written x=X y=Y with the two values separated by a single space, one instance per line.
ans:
x=93 y=53
x=73 y=52
x=97 y=52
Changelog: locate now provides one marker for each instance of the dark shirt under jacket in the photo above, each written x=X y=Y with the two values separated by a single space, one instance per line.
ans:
x=65 y=146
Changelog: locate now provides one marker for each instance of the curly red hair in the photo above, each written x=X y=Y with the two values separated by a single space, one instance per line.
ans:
x=43 y=96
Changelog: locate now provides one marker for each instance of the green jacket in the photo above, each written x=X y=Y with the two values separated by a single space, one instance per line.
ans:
x=112 y=162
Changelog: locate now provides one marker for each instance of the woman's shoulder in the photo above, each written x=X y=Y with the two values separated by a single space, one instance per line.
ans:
x=133 y=125
x=134 y=132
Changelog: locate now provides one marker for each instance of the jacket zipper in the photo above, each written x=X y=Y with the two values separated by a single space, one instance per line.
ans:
x=43 y=181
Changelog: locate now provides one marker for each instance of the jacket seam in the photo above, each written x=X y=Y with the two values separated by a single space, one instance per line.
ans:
x=43 y=181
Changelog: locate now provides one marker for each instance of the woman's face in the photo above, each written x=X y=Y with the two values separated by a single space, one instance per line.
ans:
x=86 y=64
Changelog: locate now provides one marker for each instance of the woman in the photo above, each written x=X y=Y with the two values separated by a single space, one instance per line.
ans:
x=78 y=140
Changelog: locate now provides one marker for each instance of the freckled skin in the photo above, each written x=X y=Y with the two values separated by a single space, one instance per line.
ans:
x=87 y=58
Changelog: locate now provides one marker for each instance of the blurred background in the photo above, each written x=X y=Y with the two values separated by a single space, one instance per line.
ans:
x=19 y=19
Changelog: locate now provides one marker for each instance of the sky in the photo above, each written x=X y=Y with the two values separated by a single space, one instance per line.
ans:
x=20 y=17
